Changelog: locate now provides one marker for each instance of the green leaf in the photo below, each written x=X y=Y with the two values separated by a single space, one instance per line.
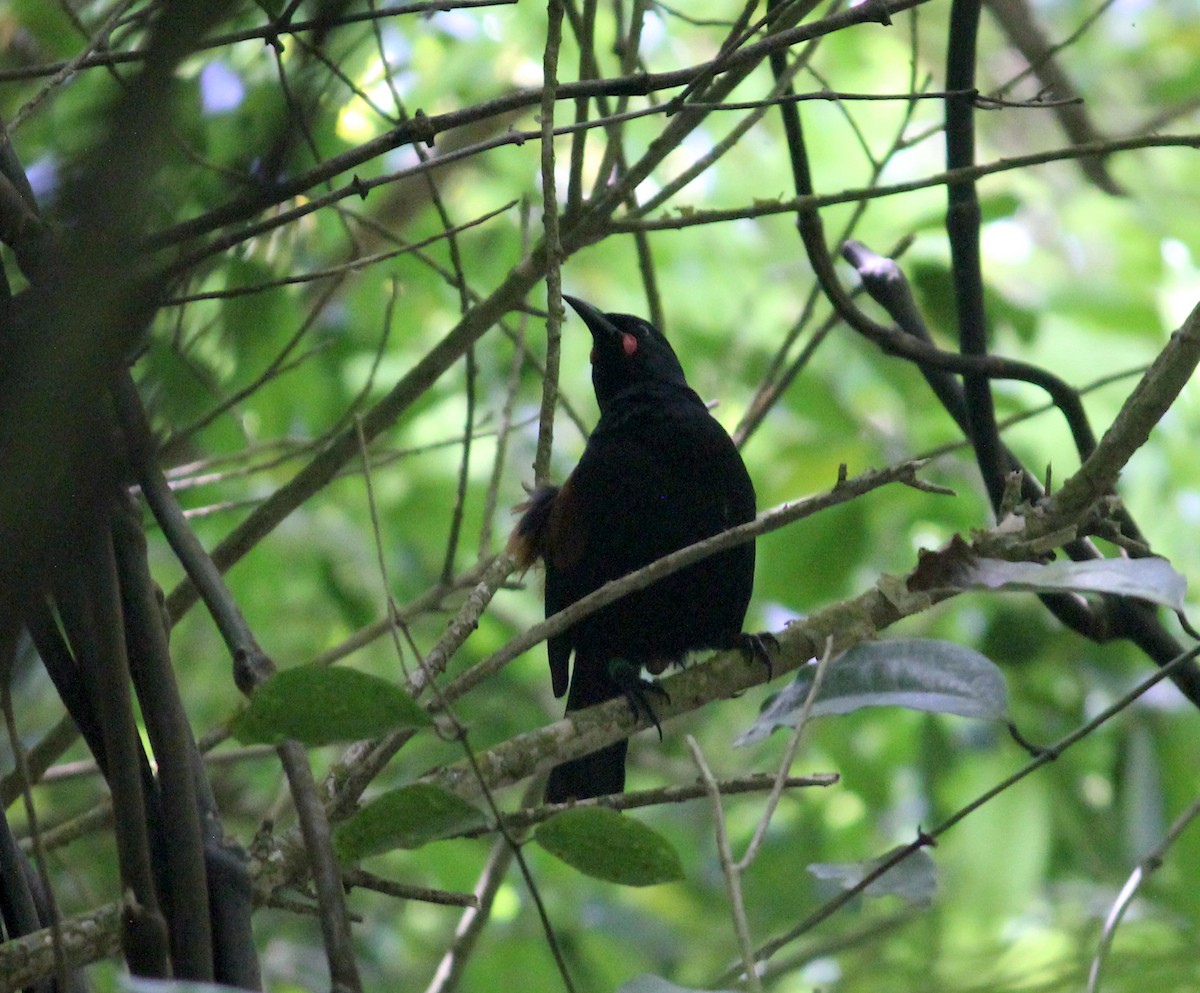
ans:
x=1150 y=579
x=408 y=817
x=604 y=844
x=320 y=705
x=914 y=879
x=647 y=983
x=920 y=674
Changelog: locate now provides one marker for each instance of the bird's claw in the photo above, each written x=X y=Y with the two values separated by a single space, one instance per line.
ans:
x=757 y=647
x=625 y=677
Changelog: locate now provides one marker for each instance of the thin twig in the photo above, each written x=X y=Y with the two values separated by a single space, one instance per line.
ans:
x=401 y=891
x=270 y=32
x=1149 y=401
x=67 y=69
x=521 y=820
x=767 y=208
x=512 y=388
x=471 y=924
x=789 y=756
x=553 y=243
x=733 y=881
x=1144 y=869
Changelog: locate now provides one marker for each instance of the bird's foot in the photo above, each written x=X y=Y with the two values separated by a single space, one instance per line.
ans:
x=757 y=647
x=626 y=677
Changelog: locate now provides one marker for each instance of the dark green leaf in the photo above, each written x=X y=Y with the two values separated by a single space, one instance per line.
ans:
x=408 y=817
x=618 y=849
x=920 y=674
x=1150 y=579
x=320 y=705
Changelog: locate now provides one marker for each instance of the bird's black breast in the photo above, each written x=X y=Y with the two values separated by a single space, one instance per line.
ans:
x=658 y=474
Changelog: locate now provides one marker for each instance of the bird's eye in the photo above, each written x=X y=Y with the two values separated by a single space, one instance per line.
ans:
x=629 y=344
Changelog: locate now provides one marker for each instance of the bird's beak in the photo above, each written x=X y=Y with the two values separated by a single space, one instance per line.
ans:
x=597 y=321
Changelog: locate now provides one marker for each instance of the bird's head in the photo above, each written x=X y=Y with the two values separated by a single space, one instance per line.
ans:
x=626 y=351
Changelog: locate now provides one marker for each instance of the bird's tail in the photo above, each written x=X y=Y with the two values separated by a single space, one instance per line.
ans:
x=595 y=774
x=527 y=543
x=599 y=772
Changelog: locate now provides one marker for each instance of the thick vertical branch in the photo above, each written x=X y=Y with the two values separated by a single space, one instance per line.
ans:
x=145 y=940
x=962 y=227
x=174 y=749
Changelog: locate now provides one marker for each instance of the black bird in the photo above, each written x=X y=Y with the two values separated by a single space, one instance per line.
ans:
x=658 y=474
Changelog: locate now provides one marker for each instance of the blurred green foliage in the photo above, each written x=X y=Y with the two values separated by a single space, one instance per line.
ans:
x=1080 y=282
